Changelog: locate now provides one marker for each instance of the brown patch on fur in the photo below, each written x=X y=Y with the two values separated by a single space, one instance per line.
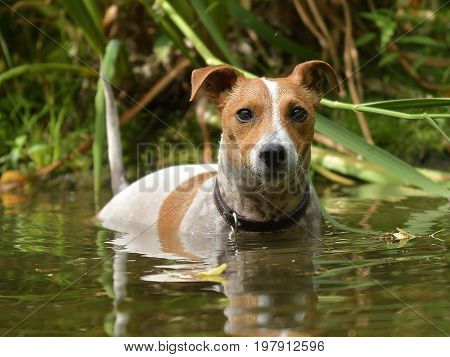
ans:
x=250 y=94
x=291 y=94
x=172 y=212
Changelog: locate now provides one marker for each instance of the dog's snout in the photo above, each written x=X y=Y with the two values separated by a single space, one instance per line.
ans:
x=273 y=155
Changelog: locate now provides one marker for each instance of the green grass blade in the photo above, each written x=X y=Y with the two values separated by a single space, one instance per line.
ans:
x=213 y=30
x=168 y=27
x=190 y=34
x=5 y=50
x=375 y=110
x=342 y=226
x=112 y=52
x=365 y=171
x=393 y=165
x=248 y=19
x=45 y=68
x=78 y=11
x=435 y=125
x=95 y=14
x=352 y=167
x=187 y=31
x=410 y=103
x=109 y=65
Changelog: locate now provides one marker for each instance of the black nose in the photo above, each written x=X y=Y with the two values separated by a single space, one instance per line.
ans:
x=273 y=155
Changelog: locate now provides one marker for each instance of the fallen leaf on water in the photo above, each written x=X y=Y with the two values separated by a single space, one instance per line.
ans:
x=213 y=272
x=401 y=236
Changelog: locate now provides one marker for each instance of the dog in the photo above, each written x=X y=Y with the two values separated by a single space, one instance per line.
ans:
x=260 y=183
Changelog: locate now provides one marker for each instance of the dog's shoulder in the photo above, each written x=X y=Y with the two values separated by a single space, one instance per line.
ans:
x=202 y=215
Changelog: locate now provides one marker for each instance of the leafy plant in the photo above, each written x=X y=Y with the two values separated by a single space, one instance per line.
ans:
x=49 y=77
x=391 y=164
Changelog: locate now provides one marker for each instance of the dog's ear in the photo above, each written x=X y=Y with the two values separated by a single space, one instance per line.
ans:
x=215 y=81
x=311 y=75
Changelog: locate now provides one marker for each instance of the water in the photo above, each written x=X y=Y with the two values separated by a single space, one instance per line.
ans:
x=60 y=275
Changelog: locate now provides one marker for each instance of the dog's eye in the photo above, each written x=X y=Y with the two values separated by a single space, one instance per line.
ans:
x=299 y=114
x=244 y=115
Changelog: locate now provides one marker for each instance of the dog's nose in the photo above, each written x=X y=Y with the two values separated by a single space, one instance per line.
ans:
x=273 y=155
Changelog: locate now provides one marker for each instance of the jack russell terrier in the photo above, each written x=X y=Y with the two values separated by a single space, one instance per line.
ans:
x=260 y=183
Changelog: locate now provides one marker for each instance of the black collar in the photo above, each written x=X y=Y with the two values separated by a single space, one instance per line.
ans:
x=241 y=223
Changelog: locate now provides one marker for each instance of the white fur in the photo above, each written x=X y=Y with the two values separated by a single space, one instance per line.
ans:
x=138 y=205
x=278 y=135
x=272 y=86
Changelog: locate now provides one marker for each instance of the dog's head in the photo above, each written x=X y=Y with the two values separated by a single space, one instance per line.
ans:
x=268 y=123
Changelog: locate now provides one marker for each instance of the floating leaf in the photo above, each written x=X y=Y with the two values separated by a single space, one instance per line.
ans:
x=401 y=236
x=213 y=272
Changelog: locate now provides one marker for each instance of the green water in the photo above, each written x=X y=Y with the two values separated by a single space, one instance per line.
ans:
x=60 y=275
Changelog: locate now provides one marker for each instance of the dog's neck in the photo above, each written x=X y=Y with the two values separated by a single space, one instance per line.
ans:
x=253 y=199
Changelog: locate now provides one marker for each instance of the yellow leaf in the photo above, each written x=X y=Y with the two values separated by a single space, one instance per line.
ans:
x=213 y=272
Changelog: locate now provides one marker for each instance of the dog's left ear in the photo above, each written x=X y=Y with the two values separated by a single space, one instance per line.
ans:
x=311 y=75
x=216 y=81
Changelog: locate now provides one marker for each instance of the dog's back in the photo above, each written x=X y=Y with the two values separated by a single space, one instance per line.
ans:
x=140 y=203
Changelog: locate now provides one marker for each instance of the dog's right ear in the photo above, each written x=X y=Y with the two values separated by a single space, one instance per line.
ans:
x=216 y=81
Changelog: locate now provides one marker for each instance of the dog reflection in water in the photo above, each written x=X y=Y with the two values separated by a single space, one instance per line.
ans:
x=268 y=283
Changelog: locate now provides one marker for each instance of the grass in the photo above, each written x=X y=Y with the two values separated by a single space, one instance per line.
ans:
x=40 y=127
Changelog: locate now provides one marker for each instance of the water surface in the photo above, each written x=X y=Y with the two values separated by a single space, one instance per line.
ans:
x=60 y=275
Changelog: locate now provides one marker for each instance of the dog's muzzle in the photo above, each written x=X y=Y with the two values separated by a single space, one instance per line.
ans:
x=274 y=158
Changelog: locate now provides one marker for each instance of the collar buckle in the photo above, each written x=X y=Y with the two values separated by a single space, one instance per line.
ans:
x=236 y=224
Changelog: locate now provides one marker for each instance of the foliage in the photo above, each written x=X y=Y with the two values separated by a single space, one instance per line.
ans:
x=48 y=79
